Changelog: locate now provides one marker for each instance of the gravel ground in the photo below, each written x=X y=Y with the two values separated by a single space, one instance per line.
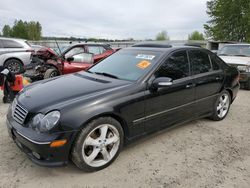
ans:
x=202 y=153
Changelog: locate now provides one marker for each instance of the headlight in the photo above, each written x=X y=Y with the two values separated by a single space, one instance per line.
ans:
x=244 y=68
x=43 y=123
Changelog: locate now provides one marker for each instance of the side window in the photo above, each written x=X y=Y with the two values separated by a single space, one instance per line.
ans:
x=215 y=65
x=175 y=67
x=200 y=61
x=74 y=51
x=95 y=50
x=11 y=44
x=83 y=58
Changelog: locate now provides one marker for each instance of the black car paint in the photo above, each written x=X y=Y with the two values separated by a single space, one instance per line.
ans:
x=82 y=97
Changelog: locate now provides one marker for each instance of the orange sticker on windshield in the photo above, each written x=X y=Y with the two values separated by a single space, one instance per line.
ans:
x=143 y=64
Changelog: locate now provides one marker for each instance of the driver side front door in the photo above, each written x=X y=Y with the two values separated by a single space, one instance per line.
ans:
x=172 y=104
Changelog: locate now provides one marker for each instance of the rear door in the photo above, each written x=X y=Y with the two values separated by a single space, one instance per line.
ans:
x=173 y=104
x=208 y=79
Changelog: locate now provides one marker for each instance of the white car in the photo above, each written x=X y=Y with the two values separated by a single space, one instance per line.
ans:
x=15 y=54
x=238 y=55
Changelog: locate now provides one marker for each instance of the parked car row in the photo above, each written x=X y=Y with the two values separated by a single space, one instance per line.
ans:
x=18 y=55
x=47 y=64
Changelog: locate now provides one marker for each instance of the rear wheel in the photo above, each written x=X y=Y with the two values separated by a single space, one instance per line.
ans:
x=222 y=106
x=50 y=73
x=14 y=66
x=98 y=144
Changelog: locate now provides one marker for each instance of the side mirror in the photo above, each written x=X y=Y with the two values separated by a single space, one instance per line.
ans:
x=162 y=82
x=69 y=59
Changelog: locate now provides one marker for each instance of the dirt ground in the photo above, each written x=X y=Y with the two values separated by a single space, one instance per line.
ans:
x=198 y=154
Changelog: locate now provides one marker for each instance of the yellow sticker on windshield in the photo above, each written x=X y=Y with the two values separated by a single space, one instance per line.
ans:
x=143 y=64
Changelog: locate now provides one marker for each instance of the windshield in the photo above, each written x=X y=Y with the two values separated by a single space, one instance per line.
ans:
x=126 y=64
x=235 y=50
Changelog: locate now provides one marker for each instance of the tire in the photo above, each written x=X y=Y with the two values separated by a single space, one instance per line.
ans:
x=50 y=73
x=15 y=66
x=221 y=106
x=98 y=144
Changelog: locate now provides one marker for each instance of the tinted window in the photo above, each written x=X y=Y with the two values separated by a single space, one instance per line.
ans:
x=200 y=61
x=127 y=64
x=214 y=63
x=11 y=44
x=175 y=67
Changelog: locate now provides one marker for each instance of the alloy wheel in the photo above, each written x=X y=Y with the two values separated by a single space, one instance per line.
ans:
x=223 y=105
x=101 y=145
x=14 y=67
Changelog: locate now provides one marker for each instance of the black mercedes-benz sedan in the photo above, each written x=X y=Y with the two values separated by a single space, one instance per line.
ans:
x=88 y=116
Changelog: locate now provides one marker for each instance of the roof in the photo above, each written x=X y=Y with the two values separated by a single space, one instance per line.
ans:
x=9 y=38
x=158 y=47
x=238 y=44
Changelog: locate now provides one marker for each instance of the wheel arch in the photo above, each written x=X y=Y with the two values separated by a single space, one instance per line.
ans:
x=13 y=58
x=113 y=115
x=231 y=94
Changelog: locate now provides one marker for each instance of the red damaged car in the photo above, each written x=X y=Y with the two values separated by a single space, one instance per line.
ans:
x=47 y=63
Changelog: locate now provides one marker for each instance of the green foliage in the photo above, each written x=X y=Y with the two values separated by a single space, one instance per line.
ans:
x=196 y=36
x=6 y=31
x=230 y=20
x=163 y=35
x=26 y=30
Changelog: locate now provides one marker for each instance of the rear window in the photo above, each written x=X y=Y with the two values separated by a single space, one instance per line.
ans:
x=127 y=64
x=11 y=44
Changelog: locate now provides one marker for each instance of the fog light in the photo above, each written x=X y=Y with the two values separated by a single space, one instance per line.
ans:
x=58 y=143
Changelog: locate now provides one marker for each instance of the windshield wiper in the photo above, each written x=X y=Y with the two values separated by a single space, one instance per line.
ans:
x=224 y=54
x=107 y=74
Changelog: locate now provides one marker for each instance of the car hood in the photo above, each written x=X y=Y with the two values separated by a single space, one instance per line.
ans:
x=63 y=90
x=236 y=60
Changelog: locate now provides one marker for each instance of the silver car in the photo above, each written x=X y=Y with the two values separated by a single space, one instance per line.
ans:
x=14 y=54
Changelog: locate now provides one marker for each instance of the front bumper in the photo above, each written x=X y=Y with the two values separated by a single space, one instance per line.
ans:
x=37 y=146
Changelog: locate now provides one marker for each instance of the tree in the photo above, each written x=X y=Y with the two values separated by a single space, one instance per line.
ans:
x=27 y=30
x=163 y=35
x=7 y=31
x=196 y=36
x=230 y=20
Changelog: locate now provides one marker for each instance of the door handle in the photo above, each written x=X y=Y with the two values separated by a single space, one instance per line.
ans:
x=190 y=86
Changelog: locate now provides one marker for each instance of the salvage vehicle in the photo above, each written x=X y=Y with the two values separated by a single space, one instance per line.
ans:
x=15 y=54
x=88 y=116
x=47 y=63
x=238 y=55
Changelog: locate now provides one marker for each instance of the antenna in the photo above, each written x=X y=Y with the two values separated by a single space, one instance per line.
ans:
x=58 y=48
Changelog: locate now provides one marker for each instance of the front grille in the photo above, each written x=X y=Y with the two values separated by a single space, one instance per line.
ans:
x=19 y=113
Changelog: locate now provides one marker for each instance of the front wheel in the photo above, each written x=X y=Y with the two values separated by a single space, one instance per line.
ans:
x=98 y=144
x=15 y=66
x=222 y=106
x=50 y=73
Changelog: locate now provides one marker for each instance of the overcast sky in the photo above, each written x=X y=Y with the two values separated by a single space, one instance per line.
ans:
x=114 y=19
